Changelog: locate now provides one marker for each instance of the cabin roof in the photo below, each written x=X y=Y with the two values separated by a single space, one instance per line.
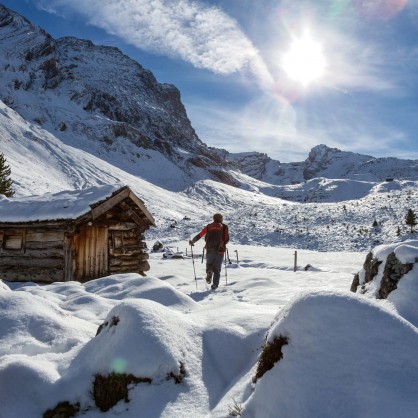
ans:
x=67 y=205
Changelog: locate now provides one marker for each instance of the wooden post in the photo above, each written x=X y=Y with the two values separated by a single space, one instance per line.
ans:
x=296 y=261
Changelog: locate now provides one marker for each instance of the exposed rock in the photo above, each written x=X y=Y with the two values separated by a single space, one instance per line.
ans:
x=355 y=283
x=370 y=267
x=271 y=354
x=109 y=390
x=62 y=410
x=114 y=321
x=394 y=271
x=178 y=378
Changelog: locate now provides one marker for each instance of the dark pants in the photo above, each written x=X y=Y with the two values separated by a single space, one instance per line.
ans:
x=214 y=263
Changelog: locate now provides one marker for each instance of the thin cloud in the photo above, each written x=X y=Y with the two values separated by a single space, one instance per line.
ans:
x=266 y=125
x=204 y=36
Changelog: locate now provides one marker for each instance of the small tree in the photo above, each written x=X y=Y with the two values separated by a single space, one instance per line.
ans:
x=5 y=181
x=411 y=219
x=375 y=224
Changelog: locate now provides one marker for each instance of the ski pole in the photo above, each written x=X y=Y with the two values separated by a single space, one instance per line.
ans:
x=229 y=260
x=194 y=269
x=203 y=254
x=226 y=274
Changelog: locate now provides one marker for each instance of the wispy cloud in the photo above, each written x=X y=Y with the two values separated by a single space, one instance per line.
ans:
x=274 y=127
x=204 y=36
x=267 y=125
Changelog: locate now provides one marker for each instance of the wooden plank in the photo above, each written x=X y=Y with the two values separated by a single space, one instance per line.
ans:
x=68 y=259
x=109 y=203
x=141 y=205
x=44 y=236
x=105 y=270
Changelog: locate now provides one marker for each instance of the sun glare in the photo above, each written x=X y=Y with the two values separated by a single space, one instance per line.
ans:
x=305 y=61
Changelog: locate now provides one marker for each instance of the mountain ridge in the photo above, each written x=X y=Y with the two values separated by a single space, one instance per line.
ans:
x=98 y=99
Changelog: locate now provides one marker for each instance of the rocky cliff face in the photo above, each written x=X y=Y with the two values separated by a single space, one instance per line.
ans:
x=74 y=88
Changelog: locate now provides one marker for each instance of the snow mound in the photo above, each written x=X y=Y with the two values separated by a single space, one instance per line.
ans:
x=4 y=287
x=322 y=361
x=32 y=325
x=133 y=285
x=157 y=342
x=406 y=252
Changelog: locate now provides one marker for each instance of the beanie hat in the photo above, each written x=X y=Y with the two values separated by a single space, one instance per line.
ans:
x=218 y=217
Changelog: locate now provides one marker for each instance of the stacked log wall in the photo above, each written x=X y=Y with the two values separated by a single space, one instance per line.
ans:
x=127 y=250
x=40 y=258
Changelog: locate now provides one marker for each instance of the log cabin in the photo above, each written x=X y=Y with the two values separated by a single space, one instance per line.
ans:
x=73 y=235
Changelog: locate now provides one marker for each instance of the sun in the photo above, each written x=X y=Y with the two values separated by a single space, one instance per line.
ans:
x=304 y=62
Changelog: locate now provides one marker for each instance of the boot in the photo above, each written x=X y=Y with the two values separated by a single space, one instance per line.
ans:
x=209 y=274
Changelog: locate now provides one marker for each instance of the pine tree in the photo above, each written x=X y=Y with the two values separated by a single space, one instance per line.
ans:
x=5 y=181
x=411 y=219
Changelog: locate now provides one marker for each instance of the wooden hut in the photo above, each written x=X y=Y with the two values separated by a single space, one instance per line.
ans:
x=73 y=235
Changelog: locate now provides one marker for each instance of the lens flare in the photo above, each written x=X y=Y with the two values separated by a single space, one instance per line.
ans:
x=383 y=10
x=118 y=365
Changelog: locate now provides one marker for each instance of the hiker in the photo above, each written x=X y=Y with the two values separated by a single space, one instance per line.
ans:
x=216 y=237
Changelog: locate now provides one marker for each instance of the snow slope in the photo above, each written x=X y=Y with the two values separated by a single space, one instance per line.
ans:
x=41 y=163
x=343 y=357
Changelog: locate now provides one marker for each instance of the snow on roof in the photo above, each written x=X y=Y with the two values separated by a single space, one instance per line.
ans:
x=68 y=204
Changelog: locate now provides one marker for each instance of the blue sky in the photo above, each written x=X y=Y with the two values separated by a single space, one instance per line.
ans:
x=272 y=76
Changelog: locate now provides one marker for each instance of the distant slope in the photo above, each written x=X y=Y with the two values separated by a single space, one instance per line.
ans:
x=42 y=163
x=330 y=163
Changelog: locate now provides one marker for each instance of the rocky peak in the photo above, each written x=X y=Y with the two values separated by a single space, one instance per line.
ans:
x=102 y=94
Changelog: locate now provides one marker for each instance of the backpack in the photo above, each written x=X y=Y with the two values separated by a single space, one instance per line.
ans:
x=216 y=237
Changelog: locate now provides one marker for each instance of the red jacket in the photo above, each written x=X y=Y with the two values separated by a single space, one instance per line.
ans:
x=216 y=236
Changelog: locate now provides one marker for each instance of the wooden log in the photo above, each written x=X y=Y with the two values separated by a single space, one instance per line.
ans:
x=123 y=262
x=55 y=253
x=30 y=262
x=139 y=255
x=42 y=275
x=44 y=235
x=142 y=266
x=125 y=226
x=41 y=245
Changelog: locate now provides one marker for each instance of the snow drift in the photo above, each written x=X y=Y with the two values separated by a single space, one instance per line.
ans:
x=347 y=356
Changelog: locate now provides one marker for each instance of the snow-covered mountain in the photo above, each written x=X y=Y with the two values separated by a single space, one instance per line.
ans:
x=63 y=126
x=98 y=99
x=326 y=162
